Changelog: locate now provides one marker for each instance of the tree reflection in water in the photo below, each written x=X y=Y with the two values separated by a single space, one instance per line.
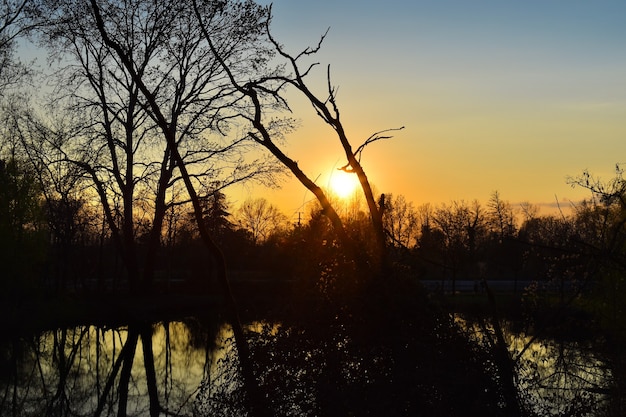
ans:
x=187 y=368
x=555 y=377
x=139 y=369
x=561 y=378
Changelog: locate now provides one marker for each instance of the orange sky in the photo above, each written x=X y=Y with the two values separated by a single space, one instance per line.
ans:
x=493 y=96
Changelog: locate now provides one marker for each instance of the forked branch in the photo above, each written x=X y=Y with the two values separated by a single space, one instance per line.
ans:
x=373 y=138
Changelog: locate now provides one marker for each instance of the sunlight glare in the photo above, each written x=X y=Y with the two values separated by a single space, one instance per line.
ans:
x=343 y=184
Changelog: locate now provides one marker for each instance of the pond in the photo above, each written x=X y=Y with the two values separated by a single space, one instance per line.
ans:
x=188 y=367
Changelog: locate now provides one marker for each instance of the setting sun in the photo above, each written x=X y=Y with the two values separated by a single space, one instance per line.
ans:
x=343 y=184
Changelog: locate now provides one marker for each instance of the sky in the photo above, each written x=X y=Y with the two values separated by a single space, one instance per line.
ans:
x=504 y=96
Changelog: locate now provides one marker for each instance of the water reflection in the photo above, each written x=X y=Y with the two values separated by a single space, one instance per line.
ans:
x=189 y=368
x=140 y=369
x=554 y=377
x=561 y=378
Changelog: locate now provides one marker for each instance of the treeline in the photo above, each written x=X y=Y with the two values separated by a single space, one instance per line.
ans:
x=115 y=173
x=64 y=244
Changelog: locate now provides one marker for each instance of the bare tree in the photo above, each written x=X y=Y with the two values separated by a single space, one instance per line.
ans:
x=401 y=221
x=15 y=21
x=501 y=217
x=166 y=83
x=461 y=225
x=260 y=218
x=268 y=91
x=237 y=28
x=529 y=210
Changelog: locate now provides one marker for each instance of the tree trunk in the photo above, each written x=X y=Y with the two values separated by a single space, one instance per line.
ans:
x=148 y=360
x=154 y=240
x=127 y=366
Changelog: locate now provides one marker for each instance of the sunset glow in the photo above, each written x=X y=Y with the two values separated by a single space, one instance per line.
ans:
x=343 y=184
x=271 y=207
x=514 y=97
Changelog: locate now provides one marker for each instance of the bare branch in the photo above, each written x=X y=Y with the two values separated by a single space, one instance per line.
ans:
x=373 y=138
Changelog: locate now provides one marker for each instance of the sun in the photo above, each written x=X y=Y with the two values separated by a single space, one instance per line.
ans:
x=343 y=184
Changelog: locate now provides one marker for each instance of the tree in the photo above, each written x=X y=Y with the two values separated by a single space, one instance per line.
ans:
x=500 y=217
x=401 y=221
x=153 y=86
x=268 y=92
x=166 y=69
x=429 y=252
x=15 y=21
x=215 y=213
x=461 y=226
x=505 y=252
x=264 y=95
x=260 y=218
x=150 y=108
x=599 y=230
x=67 y=207
x=237 y=27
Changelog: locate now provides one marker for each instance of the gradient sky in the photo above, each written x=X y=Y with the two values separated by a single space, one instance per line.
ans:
x=494 y=95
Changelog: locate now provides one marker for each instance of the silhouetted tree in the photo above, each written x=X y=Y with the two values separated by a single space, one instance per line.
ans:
x=15 y=21
x=237 y=26
x=260 y=218
x=430 y=251
x=500 y=217
x=66 y=204
x=216 y=215
x=460 y=225
x=166 y=70
x=376 y=318
x=504 y=252
x=547 y=239
x=600 y=231
x=401 y=222
x=267 y=92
